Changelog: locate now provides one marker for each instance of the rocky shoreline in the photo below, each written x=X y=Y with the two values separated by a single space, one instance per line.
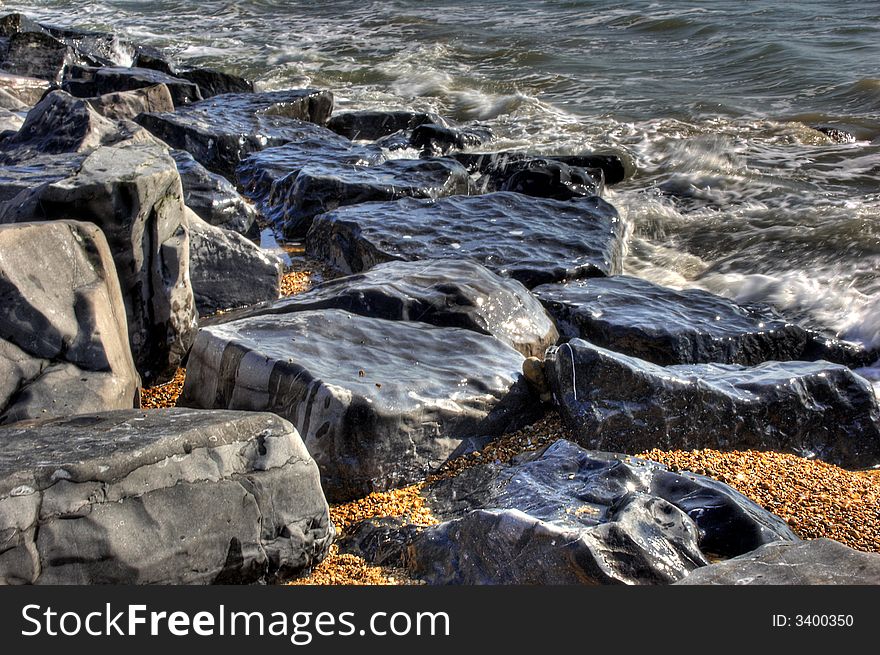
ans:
x=453 y=382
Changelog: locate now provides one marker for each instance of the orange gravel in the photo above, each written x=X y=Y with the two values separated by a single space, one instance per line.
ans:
x=164 y=395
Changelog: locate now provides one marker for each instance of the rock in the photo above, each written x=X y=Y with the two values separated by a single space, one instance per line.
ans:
x=836 y=134
x=86 y=82
x=126 y=105
x=533 y=240
x=379 y=403
x=495 y=168
x=34 y=171
x=565 y=515
x=320 y=188
x=433 y=139
x=212 y=82
x=132 y=192
x=26 y=90
x=549 y=179
x=221 y=131
x=445 y=293
x=40 y=55
x=227 y=270
x=10 y=121
x=213 y=197
x=615 y=402
x=158 y=497
x=372 y=125
x=152 y=58
x=63 y=335
x=666 y=326
x=814 y=562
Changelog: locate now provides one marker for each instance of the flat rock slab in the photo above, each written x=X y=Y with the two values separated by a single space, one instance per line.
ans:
x=496 y=168
x=27 y=90
x=372 y=125
x=812 y=409
x=87 y=82
x=379 y=403
x=534 y=240
x=220 y=131
x=566 y=515
x=175 y=496
x=127 y=105
x=35 y=171
x=815 y=562
x=441 y=292
x=666 y=326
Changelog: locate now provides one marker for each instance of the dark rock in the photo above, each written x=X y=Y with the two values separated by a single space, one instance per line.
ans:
x=315 y=189
x=372 y=125
x=63 y=337
x=171 y=497
x=445 y=293
x=26 y=90
x=133 y=193
x=86 y=82
x=549 y=179
x=126 y=105
x=533 y=240
x=379 y=403
x=814 y=562
x=16 y=23
x=213 y=197
x=496 y=167
x=153 y=59
x=566 y=515
x=221 y=131
x=836 y=134
x=666 y=326
x=40 y=55
x=227 y=270
x=615 y=402
x=433 y=139
x=213 y=83
x=35 y=171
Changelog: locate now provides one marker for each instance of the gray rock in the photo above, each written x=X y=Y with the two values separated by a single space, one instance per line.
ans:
x=40 y=55
x=87 y=82
x=445 y=293
x=26 y=90
x=213 y=197
x=213 y=82
x=227 y=270
x=812 y=409
x=10 y=121
x=566 y=515
x=372 y=125
x=816 y=562
x=132 y=192
x=63 y=336
x=34 y=171
x=220 y=131
x=433 y=139
x=126 y=105
x=533 y=240
x=496 y=168
x=665 y=326
x=379 y=403
x=158 y=497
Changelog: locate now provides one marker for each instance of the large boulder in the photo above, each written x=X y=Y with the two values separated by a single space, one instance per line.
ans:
x=127 y=105
x=87 y=82
x=565 y=515
x=26 y=90
x=816 y=562
x=666 y=326
x=812 y=409
x=433 y=139
x=441 y=292
x=371 y=125
x=533 y=240
x=40 y=55
x=495 y=169
x=158 y=497
x=26 y=173
x=63 y=335
x=379 y=403
x=220 y=131
x=227 y=270
x=214 y=83
x=133 y=193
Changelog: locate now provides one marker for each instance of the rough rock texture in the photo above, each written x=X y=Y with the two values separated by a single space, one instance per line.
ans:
x=550 y=179
x=220 y=131
x=213 y=197
x=665 y=326
x=227 y=270
x=372 y=125
x=126 y=105
x=817 y=562
x=433 y=139
x=40 y=55
x=615 y=402
x=319 y=188
x=63 y=335
x=213 y=82
x=171 y=497
x=86 y=82
x=10 y=121
x=31 y=172
x=533 y=240
x=133 y=193
x=379 y=403
x=566 y=515
x=445 y=293
x=497 y=167
x=26 y=90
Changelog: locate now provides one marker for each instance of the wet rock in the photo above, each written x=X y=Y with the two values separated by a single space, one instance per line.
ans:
x=565 y=515
x=445 y=293
x=495 y=168
x=10 y=121
x=171 y=497
x=549 y=179
x=433 y=139
x=379 y=403
x=533 y=240
x=836 y=134
x=373 y=125
x=213 y=82
x=814 y=562
x=87 y=82
x=227 y=270
x=40 y=55
x=126 y=105
x=133 y=193
x=317 y=188
x=812 y=409
x=666 y=326
x=63 y=336
x=34 y=171
x=153 y=59
x=26 y=90
x=213 y=197
x=220 y=131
